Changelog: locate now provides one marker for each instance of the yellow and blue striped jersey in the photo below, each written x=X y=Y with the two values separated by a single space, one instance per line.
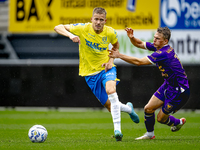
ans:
x=93 y=48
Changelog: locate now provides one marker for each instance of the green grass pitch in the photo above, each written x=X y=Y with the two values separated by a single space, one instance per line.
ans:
x=93 y=130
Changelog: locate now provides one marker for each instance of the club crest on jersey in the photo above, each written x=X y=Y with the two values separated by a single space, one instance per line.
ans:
x=168 y=107
x=158 y=51
x=104 y=39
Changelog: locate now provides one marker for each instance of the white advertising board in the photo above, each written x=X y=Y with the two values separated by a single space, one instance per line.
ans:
x=186 y=44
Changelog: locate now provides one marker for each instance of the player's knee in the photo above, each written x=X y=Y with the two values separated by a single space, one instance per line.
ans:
x=110 y=87
x=148 y=110
x=110 y=91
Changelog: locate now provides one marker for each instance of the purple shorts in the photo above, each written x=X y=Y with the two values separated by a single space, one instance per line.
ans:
x=172 y=97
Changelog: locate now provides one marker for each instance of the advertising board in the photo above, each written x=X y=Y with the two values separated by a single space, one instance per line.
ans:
x=185 y=43
x=30 y=16
x=180 y=14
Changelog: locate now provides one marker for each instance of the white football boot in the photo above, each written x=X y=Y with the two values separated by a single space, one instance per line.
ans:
x=145 y=137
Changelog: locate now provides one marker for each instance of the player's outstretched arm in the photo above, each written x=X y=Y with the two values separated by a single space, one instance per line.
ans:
x=135 y=41
x=109 y=64
x=114 y=53
x=65 y=31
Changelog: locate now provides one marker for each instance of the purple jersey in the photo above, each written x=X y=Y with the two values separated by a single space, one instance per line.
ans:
x=170 y=66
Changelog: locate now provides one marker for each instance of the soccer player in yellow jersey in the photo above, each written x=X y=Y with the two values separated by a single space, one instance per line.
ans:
x=95 y=65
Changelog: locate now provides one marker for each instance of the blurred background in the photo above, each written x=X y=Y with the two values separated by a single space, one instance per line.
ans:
x=39 y=68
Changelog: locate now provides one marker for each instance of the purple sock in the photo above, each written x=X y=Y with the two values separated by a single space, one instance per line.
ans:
x=149 y=121
x=173 y=121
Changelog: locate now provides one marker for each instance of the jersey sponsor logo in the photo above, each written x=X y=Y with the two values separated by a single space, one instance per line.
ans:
x=95 y=46
x=180 y=14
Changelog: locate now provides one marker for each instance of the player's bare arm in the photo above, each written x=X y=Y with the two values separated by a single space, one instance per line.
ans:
x=115 y=46
x=136 y=42
x=114 y=53
x=109 y=64
x=65 y=31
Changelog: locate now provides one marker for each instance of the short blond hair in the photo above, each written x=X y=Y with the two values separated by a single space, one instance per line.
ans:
x=99 y=10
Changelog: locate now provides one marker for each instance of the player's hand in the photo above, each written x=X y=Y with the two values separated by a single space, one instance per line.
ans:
x=129 y=32
x=114 y=53
x=75 y=39
x=107 y=66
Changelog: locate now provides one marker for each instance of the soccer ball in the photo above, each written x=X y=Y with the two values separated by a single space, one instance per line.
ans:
x=37 y=134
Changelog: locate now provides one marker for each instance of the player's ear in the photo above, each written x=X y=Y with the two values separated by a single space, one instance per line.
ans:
x=166 y=41
x=105 y=20
x=91 y=19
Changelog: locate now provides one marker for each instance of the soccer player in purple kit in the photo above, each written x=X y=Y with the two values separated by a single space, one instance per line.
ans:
x=173 y=93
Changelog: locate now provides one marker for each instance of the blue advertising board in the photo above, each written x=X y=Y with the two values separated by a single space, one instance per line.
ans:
x=180 y=14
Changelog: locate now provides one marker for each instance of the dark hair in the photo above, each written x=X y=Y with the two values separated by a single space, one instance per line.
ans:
x=165 y=31
x=99 y=10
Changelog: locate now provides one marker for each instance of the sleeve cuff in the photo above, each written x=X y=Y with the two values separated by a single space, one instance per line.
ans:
x=150 y=60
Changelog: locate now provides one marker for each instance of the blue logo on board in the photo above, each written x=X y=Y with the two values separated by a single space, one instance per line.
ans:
x=180 y=14
x=131 y=5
